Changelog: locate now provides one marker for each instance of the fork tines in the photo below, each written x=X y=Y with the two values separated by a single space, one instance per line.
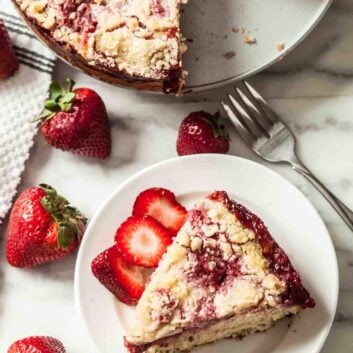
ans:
x=250 y=114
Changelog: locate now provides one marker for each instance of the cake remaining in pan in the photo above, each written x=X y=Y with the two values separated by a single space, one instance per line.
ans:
x=136 y=42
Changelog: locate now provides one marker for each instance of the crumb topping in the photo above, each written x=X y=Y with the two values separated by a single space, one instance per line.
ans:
x=249 y=39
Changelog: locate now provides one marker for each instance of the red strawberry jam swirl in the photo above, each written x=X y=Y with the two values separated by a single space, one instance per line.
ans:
x=77 y=14
x=211 y=270
x=158 y=8
x=172 y=83
x=279 y=262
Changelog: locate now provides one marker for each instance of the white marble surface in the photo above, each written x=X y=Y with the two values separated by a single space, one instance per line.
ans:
x=312 y=90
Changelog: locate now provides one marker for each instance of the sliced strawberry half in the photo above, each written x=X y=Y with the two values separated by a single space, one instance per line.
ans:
x=142 y=240
x=125 y=281
x=162 y=205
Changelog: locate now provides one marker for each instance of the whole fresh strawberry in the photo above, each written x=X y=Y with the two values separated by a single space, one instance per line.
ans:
x=37 y=344
x=76 y=120
x=8 y=60
x=43 y=227
x=201 y=132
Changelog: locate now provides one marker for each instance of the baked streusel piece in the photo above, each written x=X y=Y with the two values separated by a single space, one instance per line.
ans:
x=137 y=41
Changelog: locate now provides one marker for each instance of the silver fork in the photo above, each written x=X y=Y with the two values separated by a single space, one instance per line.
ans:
x=271 y=139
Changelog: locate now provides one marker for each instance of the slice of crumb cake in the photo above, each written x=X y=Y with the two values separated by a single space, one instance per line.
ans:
x=223 y=276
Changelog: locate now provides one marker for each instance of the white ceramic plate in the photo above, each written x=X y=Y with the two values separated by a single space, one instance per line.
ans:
x=290 y=217
x=210 y=23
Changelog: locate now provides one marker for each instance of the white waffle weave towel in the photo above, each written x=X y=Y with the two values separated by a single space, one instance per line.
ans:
x=21 y=99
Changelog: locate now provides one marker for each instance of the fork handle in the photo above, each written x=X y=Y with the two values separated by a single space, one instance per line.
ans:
x=345 y=213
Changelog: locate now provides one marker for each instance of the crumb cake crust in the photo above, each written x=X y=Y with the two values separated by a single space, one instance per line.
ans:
x=124 y=54
x=223 y=263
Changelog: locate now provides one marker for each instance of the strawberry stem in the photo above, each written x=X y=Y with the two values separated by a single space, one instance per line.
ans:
x=69 y=219
x=217 y=126
x=60 y=99
x=70 y=83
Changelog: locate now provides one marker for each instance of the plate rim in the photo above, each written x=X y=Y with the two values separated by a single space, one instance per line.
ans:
x=132 y=178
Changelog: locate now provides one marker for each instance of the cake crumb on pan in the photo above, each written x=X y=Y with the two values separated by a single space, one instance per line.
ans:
x=280 y=46
x=229 y=54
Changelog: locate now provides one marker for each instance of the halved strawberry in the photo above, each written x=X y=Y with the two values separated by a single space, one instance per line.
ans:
x=162 y=205
x=125 y=281
x=142 y=240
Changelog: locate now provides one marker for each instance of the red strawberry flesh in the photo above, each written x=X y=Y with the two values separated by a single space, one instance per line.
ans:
x=162 y=205
x=142 y=241
x=37 y=344
x=122 y=279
